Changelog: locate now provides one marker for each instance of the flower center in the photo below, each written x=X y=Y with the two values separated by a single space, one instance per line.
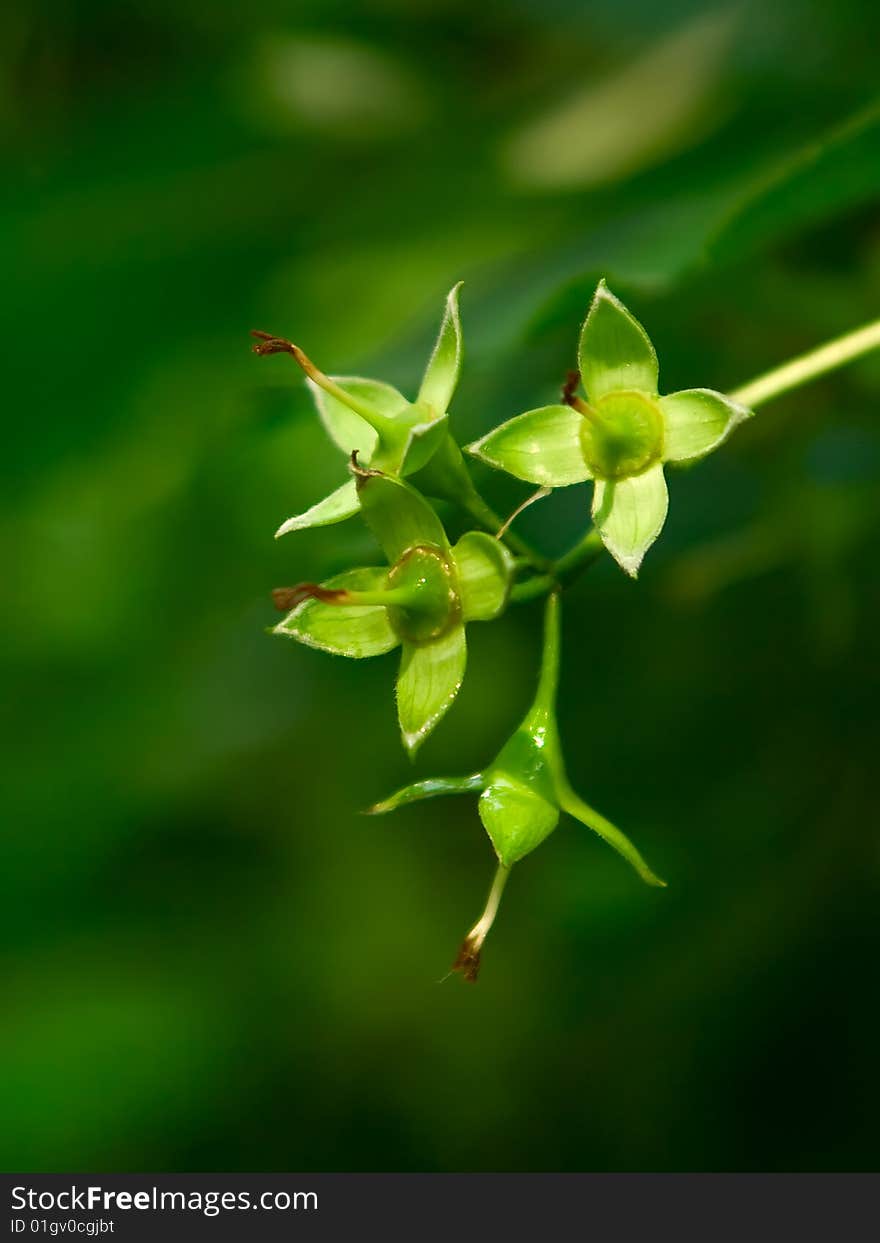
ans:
x=433 y=605
x=621 y=435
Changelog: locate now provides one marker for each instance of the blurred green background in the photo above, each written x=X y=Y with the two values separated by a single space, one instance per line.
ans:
x=210 y=960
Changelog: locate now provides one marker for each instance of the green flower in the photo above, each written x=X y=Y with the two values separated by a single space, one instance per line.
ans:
x=522 y=794
x=421 y=601
x=620 y=437
x=377 y=422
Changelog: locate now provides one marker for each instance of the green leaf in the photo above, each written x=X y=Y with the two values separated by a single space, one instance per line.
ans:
x=484 y=571
x=430 y=677
x=819 y=181
x=615 y=353
x=336 y=507
x=347 y=429
x=344 y=630
x=444 y=365
x=515 y=817
x=541 y=446
x=432 y=787
x=399 y=517
x=696 y=421
x=629 y=514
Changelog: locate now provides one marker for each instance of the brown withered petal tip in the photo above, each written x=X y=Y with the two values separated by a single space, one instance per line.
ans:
x=270 y=344
x=287 y=598
x=572 y=380
x=467 y=961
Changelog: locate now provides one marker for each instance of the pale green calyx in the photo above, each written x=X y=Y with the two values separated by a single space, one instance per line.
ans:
x=421 y=601
x=619 y=435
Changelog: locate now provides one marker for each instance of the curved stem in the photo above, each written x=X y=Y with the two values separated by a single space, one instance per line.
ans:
x=808 y=366
x=467 y=960
x=485 y=515
x=584 y=553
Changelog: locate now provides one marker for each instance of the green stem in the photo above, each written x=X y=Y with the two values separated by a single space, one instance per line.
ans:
x=808 y=366
x=564 y=571
x=548 y=682
x=485 y=515
x=584 y=553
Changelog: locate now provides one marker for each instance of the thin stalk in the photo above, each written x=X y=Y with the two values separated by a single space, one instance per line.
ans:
x=808 y=366
x=548 y=683
x=584 y=553
x=485 y=515
x=268 y=344
x=468 y=958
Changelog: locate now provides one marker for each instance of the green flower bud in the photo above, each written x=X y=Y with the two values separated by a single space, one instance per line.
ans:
x=522 y=794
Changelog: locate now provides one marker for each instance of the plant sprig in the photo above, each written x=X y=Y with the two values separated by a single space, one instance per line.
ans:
x=612 y=428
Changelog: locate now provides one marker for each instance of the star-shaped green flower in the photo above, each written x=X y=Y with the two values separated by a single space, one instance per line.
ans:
x=620 y=437
x=421 y=601
x=377 y=422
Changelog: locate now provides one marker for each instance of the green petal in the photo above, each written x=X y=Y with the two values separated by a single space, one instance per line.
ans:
x=336 y=507
x=615 y=352
x=398 y=515
x=430 y=788
x=484 y=571
x=444 y=366
x=344 y=630
x=609 y=833
x=629 y=514
x=422 y=442
x=541 y=446
x=515 y=817
x=696 y=421
x=429 y=679
x=348 y=429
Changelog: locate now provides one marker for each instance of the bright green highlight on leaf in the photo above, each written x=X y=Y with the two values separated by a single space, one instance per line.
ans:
x=619 y=434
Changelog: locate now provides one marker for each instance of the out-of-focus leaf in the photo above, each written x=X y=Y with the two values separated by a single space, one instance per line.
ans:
x=607 y=130
x=818 y=181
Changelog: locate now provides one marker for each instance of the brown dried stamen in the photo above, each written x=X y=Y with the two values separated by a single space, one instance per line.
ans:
x=287 y=598
x=467 y=961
